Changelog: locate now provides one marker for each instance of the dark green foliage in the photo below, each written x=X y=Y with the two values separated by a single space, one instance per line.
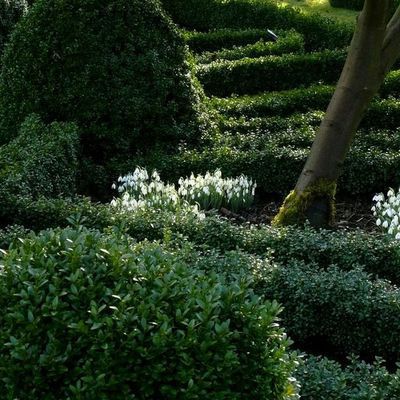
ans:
x=349 y=4
x=10 y=13
x=391 y=85
x=314 y=97
x=321 y=378
x=98 y=64
x=274 y=156
x=10 y=234
x=290 y=42
x=218 y=39
x=93 y=316
x=41 y=161
x=44 y=213
x=254 y=75
x=204 y=15
x=343 y=311
x=378 y=254
x=258 y=49
x=358 y=4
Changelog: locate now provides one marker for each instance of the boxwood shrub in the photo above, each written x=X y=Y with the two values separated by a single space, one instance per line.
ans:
x=97 y=64
x=378 y=254
x=322 y=378
x=254 y=75
x=203 y=15
x=41 y=161
x=225 y=38
x=358 y=4
x=337 y=312
x=292 y=42
x=94 y=316
x=314 y=97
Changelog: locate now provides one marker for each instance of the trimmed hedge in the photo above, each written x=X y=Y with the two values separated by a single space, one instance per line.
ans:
x=267 y=125
x=381 y=114
x=314 y=97
x=254 y=75
x=379 y=254
x=204 y=15
x=340 y=312
x=226 y=38
x=358 y=4
x=102 y=318
x=97 y=64
x=321 y=378
x=292 y=42
x=41 y=161
x=10 y=13
x=275 y=160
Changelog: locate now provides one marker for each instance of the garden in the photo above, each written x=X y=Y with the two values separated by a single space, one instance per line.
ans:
x=146 y=147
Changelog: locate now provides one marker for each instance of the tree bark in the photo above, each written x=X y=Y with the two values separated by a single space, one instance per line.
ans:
x=374 y=49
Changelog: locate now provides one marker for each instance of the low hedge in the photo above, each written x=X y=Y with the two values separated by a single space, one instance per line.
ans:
x=226 y=38
x=291 y=43
x=337 y=312
x=41 y=161
x=358 y=4
x=258 y=125
x=322 y=378
x=379 y=254
x=275 y=161
x=254 y=75
x=314 y=97
x=381 y=114
x=300 y=100
x=203 y=15
x=89 y=315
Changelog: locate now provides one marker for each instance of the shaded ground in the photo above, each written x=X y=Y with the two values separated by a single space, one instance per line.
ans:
x=350 y=213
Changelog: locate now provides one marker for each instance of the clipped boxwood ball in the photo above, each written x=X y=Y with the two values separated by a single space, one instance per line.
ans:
x=114 y=67
x=91 y=316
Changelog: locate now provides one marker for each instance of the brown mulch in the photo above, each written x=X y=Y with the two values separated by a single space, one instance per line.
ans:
x=350 y=213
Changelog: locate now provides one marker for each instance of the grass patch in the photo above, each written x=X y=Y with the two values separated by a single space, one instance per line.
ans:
x=323 y=7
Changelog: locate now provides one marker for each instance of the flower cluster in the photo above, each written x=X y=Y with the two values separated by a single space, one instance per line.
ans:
x=387 y=212
x=213 y=191
x=139 y=190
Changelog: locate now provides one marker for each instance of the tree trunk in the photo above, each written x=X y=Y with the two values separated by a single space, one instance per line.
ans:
x=373 y=50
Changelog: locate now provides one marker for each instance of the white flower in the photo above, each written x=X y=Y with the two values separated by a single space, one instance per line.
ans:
x=378 y=222
x=397 y=236
x=378 y=197
x=385 y=224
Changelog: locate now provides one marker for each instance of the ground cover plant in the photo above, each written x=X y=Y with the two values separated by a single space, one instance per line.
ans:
x=164 y=289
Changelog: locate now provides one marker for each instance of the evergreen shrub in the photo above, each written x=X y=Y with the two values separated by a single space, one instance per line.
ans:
x=322 y=378
x=253 y=75
x=95 y=316
x=204 y=15
x=224 y=38
x=341 y=312
x=97 y=63
x=10 y=13
x=358 y=4
x=41 y=161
